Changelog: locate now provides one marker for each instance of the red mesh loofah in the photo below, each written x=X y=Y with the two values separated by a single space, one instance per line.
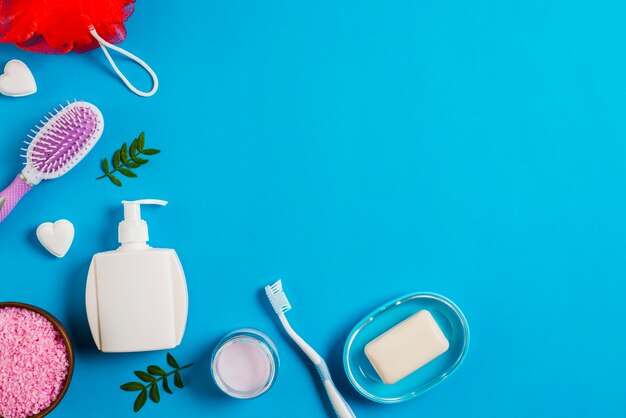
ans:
x=61 y=26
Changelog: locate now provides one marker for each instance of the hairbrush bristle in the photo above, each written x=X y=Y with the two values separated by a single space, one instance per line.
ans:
x=63 y=139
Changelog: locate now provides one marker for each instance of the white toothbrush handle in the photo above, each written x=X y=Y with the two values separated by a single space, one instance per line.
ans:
x=308 y=350
x=341 y=407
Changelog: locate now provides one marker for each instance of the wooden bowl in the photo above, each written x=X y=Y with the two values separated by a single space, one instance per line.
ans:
x=68 y=346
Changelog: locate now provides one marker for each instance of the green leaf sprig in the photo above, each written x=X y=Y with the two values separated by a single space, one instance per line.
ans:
x=151 y=379
x=126 y=159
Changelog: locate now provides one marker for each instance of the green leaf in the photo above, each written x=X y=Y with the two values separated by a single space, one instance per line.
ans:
x=132 y=164
x=141 y=141
x=116 y=160
x=132 y=386
x=124 y=152
x=172 y=362
x=114 y=180
x=141 y=400
x=178 y=381
x=126 y=158
x=133 y=148
x=156 y=370
x=166 y=386
x=144 y=376
x=138 y=160
x=152 y=388
x=134 y=153
x=126 y=172
x=154 y=393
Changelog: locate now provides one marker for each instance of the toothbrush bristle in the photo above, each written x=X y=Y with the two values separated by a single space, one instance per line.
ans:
x=277 y=297
x=64 y=139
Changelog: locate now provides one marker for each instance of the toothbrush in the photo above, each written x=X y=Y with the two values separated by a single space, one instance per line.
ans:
x=280 y=303
x=60 y=143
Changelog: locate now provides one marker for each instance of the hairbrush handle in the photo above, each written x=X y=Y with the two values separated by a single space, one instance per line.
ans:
x=11 y=195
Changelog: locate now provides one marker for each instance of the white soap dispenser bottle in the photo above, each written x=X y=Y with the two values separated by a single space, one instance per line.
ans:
x=136 y=296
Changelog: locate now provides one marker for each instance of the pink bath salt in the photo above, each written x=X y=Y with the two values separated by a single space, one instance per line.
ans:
x=33 y=363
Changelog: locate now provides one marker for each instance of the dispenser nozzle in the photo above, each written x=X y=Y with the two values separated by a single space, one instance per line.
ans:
x=133 y=231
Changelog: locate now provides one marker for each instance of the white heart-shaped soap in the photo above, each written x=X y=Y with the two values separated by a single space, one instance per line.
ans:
x=17 y=80
x=56 y=237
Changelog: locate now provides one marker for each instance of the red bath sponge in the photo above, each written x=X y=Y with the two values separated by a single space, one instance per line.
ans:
x=61 y=26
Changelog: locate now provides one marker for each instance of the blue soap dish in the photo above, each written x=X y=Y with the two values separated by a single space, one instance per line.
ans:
x=363 y=376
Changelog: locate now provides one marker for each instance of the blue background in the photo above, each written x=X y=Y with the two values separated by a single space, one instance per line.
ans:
x=359 y=151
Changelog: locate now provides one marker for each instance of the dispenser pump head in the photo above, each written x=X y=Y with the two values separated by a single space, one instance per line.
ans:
x=133 y=231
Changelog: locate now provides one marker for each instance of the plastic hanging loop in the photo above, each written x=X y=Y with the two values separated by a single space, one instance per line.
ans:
x=104 y=45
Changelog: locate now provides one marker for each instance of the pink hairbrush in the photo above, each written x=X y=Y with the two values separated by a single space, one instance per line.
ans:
x=57 y=146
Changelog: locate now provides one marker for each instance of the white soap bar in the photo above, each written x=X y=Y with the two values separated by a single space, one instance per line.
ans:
x=406 y=347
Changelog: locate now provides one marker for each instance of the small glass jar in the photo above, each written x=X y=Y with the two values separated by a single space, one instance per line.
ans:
x=245 y=363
